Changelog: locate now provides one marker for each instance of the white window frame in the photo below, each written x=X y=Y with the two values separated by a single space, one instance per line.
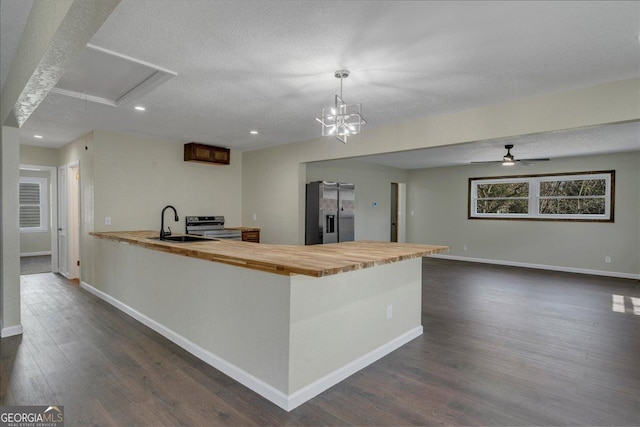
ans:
x=44 y=217
x=534 y=181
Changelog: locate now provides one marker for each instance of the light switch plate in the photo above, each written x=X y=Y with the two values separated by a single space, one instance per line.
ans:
x=107 y=220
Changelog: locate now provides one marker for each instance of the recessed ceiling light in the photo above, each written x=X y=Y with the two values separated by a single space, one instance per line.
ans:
x=37 y=136
x=140 y=108
x=254 y=132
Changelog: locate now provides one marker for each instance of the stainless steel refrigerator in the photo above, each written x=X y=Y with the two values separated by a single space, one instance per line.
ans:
x=330 y=212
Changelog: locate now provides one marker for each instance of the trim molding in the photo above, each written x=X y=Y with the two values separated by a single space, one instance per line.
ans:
x=284 y=401
x=541 y=266
x=10 y=331
x=315 y=388
x=27 y=254
x=243 y=377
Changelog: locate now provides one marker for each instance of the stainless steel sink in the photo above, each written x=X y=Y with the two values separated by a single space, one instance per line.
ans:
x=185 y=239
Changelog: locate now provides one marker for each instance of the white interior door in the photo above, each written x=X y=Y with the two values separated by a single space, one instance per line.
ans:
x=63 y=221
x=73 y=224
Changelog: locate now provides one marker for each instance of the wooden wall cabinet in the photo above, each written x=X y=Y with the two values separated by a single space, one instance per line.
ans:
x=196 y=152
x=251 y=236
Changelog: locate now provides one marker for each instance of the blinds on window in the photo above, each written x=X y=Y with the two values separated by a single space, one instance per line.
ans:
x=29 y=205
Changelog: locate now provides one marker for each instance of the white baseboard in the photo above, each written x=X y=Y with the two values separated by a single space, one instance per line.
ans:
x=541 y=266
x=26 y=254
x=315 y=388
x=286 y=402
x=10 y=331
x=243 y=377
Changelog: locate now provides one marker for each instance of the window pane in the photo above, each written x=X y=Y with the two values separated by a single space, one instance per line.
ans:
x=506 y=189
x=575 y=196
x=502 y=206
x=29 y=194
x=582 y=187
x=29 y=216
x=582 y=206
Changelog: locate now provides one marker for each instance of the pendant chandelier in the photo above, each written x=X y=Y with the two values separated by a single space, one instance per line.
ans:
x=341 y=120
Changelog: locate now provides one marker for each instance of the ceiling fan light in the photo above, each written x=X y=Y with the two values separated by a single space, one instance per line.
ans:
x=508 y=163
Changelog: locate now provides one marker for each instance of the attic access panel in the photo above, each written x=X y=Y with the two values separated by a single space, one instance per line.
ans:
x=107 y=77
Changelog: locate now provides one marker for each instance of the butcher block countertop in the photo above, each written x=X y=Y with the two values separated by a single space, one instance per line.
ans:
x=316 y=260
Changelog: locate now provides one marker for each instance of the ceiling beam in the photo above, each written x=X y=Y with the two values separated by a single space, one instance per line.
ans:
x=54 y=35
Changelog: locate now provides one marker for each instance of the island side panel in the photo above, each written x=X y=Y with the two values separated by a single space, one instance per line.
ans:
x=237 y=314
x=337 y=319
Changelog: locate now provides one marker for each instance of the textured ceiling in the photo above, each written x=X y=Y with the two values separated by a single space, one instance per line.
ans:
x=614 y=138
x=13 y=17
x=268 y=65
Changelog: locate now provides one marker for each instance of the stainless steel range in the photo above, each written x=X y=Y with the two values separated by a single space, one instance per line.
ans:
x=210 y=226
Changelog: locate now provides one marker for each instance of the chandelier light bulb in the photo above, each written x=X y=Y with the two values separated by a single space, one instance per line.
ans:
x=344 y=119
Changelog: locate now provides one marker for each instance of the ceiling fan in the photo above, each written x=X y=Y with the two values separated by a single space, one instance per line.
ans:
x=509 y=160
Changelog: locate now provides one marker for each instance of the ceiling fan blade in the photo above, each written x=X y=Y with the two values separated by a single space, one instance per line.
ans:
x=490 y=161
x=534 y=160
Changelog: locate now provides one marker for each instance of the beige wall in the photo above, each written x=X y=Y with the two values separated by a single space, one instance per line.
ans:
x=288 y=338
x=135 y=177
x=239 y=315
x=373 y=184
x=338 y=319
x=40 y=156
x=82 y=151
x=439 y=198
x=41 y=241
x=131 y=178
x=282 y=168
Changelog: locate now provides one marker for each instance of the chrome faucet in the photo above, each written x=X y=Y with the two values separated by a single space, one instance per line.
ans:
x=163 y=233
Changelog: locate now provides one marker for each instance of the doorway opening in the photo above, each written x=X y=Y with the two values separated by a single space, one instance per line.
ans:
x=38 y=219
x=397 y=214
x=394 y=212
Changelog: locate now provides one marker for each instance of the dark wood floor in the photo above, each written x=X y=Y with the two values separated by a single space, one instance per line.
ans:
x=502 y=346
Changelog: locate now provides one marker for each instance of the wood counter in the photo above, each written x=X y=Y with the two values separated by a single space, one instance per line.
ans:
x=315 y=261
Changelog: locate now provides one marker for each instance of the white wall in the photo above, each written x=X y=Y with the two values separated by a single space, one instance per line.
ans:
x=439 y=198
x=372 y=183
x=9 y=233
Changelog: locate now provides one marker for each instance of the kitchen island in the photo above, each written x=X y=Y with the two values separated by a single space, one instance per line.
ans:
x=286 y=321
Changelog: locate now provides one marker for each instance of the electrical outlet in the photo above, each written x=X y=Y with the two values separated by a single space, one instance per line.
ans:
x=389 y=311
x=413 y=213
x=107 y=220
x=607 y=260
x=465 y=248
x=255 y=217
